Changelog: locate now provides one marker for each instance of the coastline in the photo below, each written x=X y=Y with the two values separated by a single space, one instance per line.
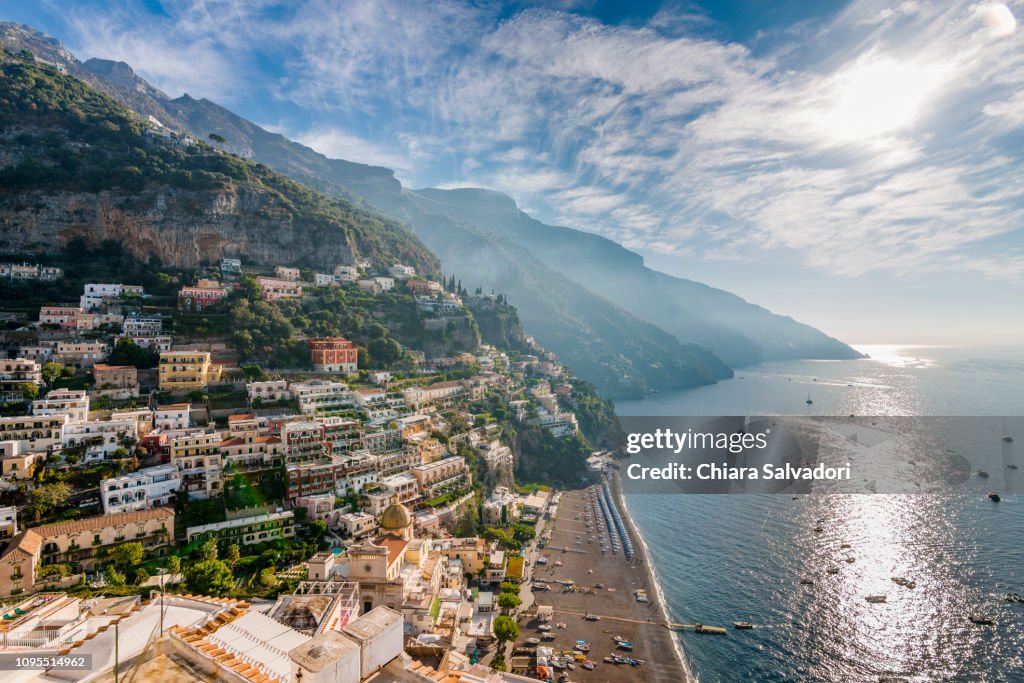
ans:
x=652 y=578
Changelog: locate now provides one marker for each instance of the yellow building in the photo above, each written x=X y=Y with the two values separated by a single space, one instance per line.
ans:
x=182 y=371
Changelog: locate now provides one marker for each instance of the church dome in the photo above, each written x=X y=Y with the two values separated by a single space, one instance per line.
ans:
x=395 y=517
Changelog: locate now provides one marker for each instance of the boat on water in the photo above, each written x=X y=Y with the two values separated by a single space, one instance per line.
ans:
x=832 y=570
x=875 y=599
x=809 y=401
x=983 y=474
x=982 y=620
x=742 y=625
x=806 y=582
x=994 y=497
x=1008 y=439
x=1011 y=466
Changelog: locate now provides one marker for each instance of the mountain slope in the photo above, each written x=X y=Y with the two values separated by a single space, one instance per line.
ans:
x=78 y=165
x=737 y=331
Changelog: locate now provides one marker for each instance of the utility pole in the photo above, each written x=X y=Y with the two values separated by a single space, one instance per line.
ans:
x=116 y=655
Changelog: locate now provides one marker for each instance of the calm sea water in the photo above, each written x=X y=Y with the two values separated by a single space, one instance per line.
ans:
x=723 y=558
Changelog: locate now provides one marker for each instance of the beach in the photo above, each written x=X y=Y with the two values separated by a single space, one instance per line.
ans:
x=606 y=587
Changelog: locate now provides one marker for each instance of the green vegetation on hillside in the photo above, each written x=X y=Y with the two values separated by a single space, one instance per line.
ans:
x=63 y=136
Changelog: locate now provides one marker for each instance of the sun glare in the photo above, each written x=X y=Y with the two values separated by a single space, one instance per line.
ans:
x=876 y=98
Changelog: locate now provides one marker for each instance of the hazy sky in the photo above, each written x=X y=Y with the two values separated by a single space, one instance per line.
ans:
x=856 y=166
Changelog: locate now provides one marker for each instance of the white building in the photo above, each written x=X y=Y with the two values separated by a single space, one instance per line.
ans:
x=101 y=438
x=270 y=391
x=322 y=396
x=71 y=402
x=386 y=284
x=172 y=417
x=324 y=279
x=142 y=326
x=95 y=295
x=147 y=488
x=8 y=522
x=401 y=272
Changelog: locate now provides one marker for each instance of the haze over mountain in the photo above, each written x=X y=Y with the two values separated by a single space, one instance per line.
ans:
x=626 y=327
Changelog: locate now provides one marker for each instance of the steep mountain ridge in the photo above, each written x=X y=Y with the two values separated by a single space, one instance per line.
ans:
x=76 y=165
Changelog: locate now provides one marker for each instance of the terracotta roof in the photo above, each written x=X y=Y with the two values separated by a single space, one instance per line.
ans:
x=236 y=418
x=394 y=544
x=174 y=406
x=27 y=542
x=91 y=523
x=104 y=366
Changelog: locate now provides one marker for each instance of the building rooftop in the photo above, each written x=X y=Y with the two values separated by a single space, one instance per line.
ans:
x=322 y=651
x=373 y=623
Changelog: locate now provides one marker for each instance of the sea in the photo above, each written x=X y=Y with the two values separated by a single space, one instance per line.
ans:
x=727 y=557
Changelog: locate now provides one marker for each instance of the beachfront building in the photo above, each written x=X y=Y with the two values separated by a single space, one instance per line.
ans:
x=333 y=354
x=141 y=490
x=183 y=371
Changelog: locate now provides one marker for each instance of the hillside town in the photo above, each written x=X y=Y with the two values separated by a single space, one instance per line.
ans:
x=333 y=516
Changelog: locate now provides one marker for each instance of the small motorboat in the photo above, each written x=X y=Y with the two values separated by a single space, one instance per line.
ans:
x=533 y=641
x=742 y=625
x=806 y=582
x=832 y=570
x=592 y=617
x=981 y=620
x=1011 y=466
x=544 y=627
x=983 y=474
x=588 y=665
x=994 y=497
x=1008 y=439
x=875 y=599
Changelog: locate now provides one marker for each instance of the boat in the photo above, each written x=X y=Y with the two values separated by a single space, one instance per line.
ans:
x=624 y=645
x=544 y=627
x=1008 y=439
x=981 y=620
x=818 y=529
x=742 y=625
x=806 y=582
x=592 y=617
x=533 y=641
x=875 y=599
x=588 y=665
x=994 y=497
x=1011 y=466
x=809 y=401
x=983 y=474
x=832 y=570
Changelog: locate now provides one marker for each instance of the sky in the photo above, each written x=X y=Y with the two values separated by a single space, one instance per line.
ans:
x=854 y=165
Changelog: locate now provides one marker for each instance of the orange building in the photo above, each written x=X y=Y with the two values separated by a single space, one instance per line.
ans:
x=333 y=354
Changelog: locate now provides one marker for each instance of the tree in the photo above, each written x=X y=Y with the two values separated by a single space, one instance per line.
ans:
x=141 y=576
x=128 y=352
x=48 y=497
x=174 y=564
x=523 y=532
x=30 y=391
x=234 y=554
x=509 y=601
x=52 y=372
x=505 y=629
x=113 y=577
x=208 y=550
x=209 y=577
x=127 y=554
x=217 y=138
x=317 y=531
x=268 y=577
